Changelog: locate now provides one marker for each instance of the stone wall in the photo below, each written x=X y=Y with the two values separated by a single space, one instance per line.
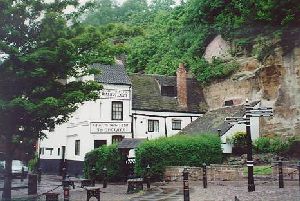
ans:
x=214 y=173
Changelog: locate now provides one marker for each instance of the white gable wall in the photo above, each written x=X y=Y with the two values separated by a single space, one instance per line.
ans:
x=141 y=118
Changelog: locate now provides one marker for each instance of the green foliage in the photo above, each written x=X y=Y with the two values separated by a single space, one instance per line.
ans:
x=259 y=170
x=206 y=72
x=33 y=164
x=105 y=156
x=177 y=151
x=275 y=145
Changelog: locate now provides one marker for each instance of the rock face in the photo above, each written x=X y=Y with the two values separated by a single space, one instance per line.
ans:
x=276 y=82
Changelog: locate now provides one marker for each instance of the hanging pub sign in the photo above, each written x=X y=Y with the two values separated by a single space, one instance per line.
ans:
x=114 y=94
x=110 y=127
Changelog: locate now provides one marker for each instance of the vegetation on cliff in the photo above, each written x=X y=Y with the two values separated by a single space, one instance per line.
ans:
x=181 y=33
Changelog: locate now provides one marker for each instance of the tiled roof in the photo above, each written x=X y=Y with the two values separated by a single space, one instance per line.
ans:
x=130 y=143
x=146 y=94
x=112 y=74
x=215 y=119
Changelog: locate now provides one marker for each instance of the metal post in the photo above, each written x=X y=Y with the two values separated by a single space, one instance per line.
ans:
x=299 y=172
x=186 y=191
x=280 y=174
x=148 y=176
x=32 y=184
x=66 y=193
x=204 y=176
x=39 y=175
x=104 y=177
x=250 y=163
x=64 y=173
x=93 y=176
x=22 y=174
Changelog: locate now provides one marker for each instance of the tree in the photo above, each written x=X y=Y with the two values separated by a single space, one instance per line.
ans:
x=43 y=48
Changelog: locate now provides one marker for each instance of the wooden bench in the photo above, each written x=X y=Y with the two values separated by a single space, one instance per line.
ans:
x=92 y=192
x=135 y=185
x=51 y=196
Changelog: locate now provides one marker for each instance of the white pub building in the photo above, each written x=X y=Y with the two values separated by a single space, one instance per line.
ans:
x=130 y=106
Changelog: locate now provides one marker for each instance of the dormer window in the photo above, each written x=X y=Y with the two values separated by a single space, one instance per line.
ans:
x=168 y=91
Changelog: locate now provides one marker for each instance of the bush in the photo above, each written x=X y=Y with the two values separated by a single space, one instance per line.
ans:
x=105 y=156
x=272 y=145
x=239 y=140
x=33 y=164
x=177 y=151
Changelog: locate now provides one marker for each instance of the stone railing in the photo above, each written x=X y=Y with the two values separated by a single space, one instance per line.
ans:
x=214 y=173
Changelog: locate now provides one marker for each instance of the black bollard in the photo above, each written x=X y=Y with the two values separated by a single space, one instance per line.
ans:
x=64 y=173
x=104 y=177
x=204 y=176
x=280 y=174
x=299 y=171
x=93 y=176
x=22 y=174
x=186 y=190
x=148 y=176
x=39 y=175
x=32 y=184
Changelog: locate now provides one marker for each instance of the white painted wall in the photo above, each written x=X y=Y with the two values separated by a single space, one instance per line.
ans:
x=79 y=125
x=140 y=122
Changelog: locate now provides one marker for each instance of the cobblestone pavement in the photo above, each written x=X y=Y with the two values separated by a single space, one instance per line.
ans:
x=216 y=191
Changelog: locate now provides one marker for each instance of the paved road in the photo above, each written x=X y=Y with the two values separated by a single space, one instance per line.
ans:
x=216 y=191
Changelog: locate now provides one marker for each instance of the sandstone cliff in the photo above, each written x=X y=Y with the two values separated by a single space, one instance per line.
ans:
x=275 y=81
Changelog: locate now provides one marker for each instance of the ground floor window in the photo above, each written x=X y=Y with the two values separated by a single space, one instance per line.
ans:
x=99 y=143
x=153 y=125
x=176 y=124
x=77 y=147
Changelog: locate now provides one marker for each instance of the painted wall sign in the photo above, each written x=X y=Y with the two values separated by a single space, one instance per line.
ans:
x=115 y=94
x=110 y=127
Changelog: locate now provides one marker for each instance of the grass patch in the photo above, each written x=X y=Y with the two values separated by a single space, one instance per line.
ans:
x=260 y=170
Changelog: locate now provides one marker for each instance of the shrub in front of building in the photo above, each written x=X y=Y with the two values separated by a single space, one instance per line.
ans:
x=105 y=156
x=180 y=150
x=275 y=145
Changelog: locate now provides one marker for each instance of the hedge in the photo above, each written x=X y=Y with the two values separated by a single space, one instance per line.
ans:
x=274 y=145
x=180 y=150
x=105 y=156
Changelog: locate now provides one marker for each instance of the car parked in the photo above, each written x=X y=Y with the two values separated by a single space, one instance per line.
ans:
x=16 y=168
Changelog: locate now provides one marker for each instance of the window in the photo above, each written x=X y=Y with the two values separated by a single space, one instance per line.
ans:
x=117 y=110
x=42 y=151
x=50 y=150
x=77 y=147
x=58 y=151
x=153 y=126
x=229 y=103
x=168 y=91
x=99 y=143
x=117 y=138
x=176 y=124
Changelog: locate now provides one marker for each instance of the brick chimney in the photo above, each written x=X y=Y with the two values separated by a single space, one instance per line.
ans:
x=182 y=85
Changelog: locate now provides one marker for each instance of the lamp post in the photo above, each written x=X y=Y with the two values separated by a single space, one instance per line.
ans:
x=250 y=112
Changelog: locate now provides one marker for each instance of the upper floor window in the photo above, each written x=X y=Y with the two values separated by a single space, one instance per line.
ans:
x=117 y=110
x=176 y=124
x=77 y=147
x=153 y=125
